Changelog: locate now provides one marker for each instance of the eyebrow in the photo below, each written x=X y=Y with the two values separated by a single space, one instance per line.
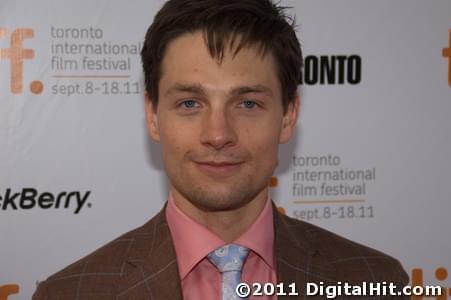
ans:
x=236 y=91
x=258 y=89
x=190 y=88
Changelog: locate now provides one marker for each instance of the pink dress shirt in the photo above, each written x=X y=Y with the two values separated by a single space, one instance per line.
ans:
x=192 y=241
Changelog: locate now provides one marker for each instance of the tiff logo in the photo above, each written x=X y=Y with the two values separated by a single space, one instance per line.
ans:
x=16 y=55
x=446 y=52
x=7 y=290
x=441 y=274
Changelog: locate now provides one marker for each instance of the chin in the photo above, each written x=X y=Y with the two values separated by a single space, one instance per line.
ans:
x=231 y=199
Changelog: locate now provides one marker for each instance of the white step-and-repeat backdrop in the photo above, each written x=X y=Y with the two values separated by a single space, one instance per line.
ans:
x=370 y=161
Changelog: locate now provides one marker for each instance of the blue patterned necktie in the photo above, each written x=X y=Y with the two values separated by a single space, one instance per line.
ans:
x=229 y=260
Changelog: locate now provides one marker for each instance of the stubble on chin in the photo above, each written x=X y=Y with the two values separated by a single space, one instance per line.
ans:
x=211 y=196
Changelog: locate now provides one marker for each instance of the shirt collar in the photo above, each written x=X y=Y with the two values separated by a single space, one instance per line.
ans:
x=191 y=248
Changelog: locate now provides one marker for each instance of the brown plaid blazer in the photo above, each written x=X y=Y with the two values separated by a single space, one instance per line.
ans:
x=141 y=264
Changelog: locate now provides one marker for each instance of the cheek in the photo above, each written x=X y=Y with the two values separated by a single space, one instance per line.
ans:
x=177 y=140
x=171 y=142
x=172 y=145
x=263 y=141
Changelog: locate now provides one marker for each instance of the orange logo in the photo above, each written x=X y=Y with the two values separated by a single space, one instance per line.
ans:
x=7 y=290
x=273 y=182
x=441 y=274
x=446 y=52
x=16 y=55
x=282 y=210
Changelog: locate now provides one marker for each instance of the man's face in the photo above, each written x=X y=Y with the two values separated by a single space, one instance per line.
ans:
x=219 y=124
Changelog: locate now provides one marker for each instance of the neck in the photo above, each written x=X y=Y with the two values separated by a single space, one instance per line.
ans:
x=229 y=225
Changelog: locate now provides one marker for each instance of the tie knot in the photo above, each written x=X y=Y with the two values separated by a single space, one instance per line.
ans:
x=229 y=257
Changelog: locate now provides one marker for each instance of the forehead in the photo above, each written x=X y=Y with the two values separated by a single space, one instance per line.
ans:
x=187 y=59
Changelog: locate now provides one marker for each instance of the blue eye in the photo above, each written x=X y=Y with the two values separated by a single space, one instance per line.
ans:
x=189 y=104
x=249 y=104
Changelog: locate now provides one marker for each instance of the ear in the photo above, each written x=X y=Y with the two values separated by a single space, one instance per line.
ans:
x=289 y=120
x=151 y=118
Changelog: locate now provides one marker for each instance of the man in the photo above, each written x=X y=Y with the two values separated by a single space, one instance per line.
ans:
x=221 y=93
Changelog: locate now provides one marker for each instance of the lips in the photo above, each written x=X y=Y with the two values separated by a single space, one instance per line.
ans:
x=214 y=168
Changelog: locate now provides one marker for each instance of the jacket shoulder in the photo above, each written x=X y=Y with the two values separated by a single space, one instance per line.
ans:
x=98 y=272
x=352 y=261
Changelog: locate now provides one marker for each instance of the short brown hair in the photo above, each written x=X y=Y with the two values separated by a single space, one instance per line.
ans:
x=259 y=23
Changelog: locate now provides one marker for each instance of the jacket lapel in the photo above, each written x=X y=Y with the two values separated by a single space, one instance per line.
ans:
x=155 y=275
x=298 y=258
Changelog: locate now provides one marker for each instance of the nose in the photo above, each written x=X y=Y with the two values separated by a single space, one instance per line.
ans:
x=218 y=130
